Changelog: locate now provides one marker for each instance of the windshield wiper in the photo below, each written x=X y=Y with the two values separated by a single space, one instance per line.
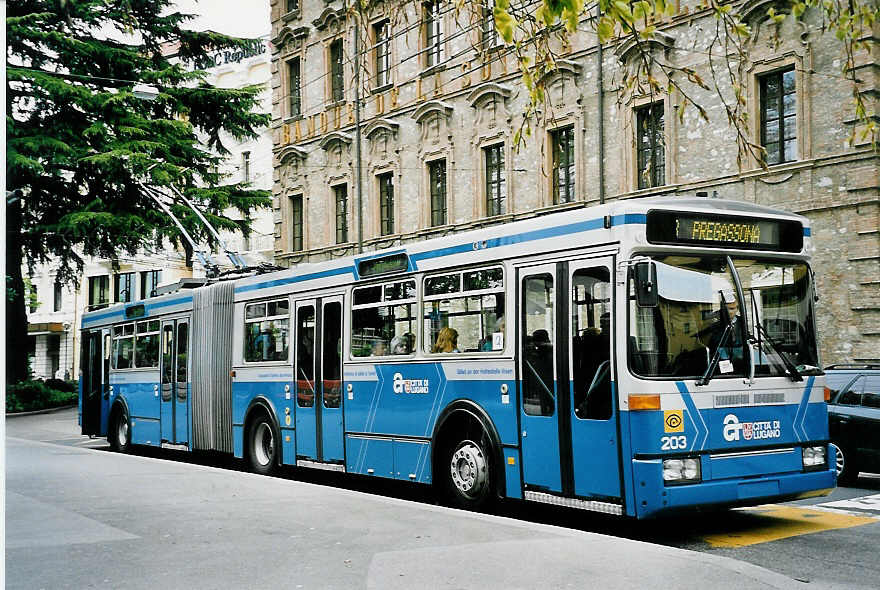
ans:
x=710 y=370
x=792 y=370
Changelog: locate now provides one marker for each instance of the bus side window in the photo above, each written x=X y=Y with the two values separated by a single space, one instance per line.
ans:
x=305 y=356
x=591 y=343
x=539 y=394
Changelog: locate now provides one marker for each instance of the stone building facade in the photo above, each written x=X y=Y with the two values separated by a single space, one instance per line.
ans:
x=442 y=100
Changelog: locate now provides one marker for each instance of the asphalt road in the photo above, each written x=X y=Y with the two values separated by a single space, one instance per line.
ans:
x=79 y=516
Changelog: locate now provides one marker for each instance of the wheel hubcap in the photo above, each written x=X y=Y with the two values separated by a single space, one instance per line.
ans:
x=468 y=468
x=122 y=432
x=264 y=444
x=838 y=460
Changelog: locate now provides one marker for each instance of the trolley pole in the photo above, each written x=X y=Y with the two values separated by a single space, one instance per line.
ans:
x=357 y=134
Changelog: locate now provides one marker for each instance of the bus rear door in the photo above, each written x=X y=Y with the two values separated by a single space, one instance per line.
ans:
x=318 y=378
x=95 y=382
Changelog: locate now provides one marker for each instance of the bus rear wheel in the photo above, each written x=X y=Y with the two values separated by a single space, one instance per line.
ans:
x=468 y=474
x=262 y=446
x=119 y=434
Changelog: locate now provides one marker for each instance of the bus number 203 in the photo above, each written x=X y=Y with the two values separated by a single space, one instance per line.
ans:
x=672 y=443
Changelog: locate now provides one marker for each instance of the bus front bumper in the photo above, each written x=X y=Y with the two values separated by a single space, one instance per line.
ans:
x=653 y=498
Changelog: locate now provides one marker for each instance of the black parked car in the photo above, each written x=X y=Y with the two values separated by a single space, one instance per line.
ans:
x=854 y=418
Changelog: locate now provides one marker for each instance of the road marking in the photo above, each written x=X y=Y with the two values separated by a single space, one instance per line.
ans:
x=860 y=503
x=763 y=524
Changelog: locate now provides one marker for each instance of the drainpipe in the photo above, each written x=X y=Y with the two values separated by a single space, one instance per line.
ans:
x=601 y=126
x=357 y=133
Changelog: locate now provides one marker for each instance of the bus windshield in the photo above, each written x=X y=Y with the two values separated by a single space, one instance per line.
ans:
x=699 y=314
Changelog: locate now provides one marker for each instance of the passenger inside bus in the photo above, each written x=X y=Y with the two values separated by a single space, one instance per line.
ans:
x=538 y=389
x=447 y=341
x=591 y=343
x=403 y=343
x=379 y=348
x=592 y=378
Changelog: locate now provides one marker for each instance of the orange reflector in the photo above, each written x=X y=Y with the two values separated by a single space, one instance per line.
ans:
x=827 y=395
x=644 y=402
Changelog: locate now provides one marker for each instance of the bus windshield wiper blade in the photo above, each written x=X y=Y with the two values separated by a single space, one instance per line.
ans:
x=792 y=370
x=710 y=370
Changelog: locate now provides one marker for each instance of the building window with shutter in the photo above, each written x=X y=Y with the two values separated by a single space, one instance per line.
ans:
x=433 y=19
x=386 y=203
x=341 y=197
x=58 y=297
x=779 y=116
x=563 y=171
x=99 y=288
x=245 y=166
x=650 y=145
x=496 y=189
x=296 y=223
x=337 y=82
x=149 y=281
x=382 y=52
x=124 y=287
x=294 y=82
x=437 y=182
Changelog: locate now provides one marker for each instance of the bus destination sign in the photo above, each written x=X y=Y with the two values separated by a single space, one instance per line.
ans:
x=748 y=233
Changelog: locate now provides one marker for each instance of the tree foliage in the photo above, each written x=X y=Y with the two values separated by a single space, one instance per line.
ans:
x=79 y=140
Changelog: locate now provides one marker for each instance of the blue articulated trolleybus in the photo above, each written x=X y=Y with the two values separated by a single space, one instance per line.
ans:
x=632 y=358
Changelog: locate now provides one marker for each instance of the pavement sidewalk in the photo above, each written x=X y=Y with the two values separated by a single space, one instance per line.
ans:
x=79 y=517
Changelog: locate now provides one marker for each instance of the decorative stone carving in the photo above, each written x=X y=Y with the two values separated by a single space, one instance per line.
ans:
x=562 y=86
x=490 y=102
x=336 y=145
x=291 y=169
x=328 y=18
x=433 y=117
x=660 y=41
x=382 y=135
x=290 y=39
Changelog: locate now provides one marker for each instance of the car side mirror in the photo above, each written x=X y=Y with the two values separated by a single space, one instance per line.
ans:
x=646 y=284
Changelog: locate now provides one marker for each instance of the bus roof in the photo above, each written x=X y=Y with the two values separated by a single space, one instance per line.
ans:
x=548 y=232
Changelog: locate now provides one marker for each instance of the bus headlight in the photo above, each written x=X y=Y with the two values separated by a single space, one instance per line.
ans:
x=814 y=457
x=687 y=470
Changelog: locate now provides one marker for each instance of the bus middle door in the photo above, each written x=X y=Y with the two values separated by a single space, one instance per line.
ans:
x=538 y=348
x=318 y=378
x=174 y=371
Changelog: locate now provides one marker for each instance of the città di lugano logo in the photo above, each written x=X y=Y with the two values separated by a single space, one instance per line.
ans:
x=402 y=385
x=750 y=430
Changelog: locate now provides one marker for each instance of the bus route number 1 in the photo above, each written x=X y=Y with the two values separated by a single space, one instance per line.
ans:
x=673 y=443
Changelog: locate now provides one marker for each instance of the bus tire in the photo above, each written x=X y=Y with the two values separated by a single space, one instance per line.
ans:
x=262 y=445
x=119 y=433
x=467 y=472
x=845 y=465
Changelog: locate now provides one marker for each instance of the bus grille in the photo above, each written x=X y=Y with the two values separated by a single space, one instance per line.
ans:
x=726 y=400
x=770 y=398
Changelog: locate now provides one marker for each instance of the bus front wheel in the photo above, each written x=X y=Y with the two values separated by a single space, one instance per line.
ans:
x=262 y=446
x=468 y=474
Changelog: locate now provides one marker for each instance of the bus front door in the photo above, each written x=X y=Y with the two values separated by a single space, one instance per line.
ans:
x=318 y=378
x=568 y=417
x=175 y=382
x=594 y=438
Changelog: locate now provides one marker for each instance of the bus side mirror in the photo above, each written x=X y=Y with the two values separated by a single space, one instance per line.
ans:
x=646 y=284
